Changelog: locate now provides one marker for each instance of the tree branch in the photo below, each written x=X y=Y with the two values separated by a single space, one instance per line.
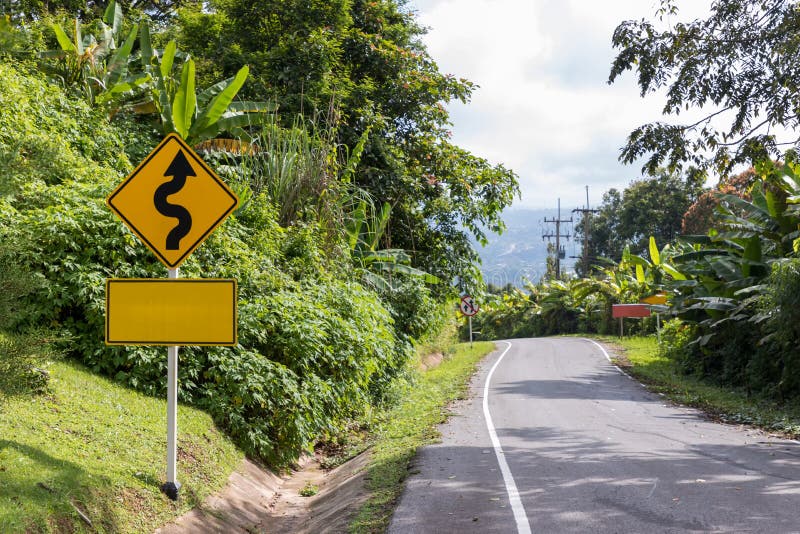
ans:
x=745 y=136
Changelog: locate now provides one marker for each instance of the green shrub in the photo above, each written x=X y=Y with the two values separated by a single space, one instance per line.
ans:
x=332 y=340
x=47 y=137
x=780 y=305
x=676 y=341
x=416 y=314
x=26 y=353
x=24 y=359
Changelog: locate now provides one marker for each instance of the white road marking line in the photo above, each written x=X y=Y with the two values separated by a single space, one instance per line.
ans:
x=617 y=367
x=523 y=527
x=653 y=490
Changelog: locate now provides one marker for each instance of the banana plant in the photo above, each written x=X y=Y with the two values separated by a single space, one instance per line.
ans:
x=651 y=273
x=93 y=61
x=726 y=271
x=364 y=230
x=199 y=117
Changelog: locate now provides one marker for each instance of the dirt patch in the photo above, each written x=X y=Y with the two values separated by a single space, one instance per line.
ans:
x=430 y=361
x=618 y=355
x=256 y=500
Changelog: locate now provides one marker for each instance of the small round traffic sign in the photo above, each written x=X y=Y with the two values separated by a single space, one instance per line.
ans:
x=468 y=306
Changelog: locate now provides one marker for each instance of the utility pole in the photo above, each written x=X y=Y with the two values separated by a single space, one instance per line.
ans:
x=558 y=235
x=586 y=231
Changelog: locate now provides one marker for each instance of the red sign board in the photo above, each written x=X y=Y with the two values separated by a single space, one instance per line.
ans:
x=630 y=310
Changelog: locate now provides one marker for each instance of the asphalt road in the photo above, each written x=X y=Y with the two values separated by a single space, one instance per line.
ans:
x=580 y=447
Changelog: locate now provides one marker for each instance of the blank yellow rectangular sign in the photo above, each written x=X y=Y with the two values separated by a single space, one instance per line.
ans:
x=142 y=311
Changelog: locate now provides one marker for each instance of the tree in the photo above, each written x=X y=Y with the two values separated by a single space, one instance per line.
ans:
x=160 y=11
x=700 y=217
x=648 y=207
x=739 y=67
x=366 y=59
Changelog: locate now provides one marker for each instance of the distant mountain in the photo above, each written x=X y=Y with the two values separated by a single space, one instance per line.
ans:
x=520 y=252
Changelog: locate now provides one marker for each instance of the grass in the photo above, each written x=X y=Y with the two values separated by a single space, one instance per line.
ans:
x=411 y=424
x=642 y=359
x=89 y=444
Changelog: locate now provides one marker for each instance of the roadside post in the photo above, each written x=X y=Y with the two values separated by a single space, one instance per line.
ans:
x=468 y=308
x=658 y=299
x=172 y=201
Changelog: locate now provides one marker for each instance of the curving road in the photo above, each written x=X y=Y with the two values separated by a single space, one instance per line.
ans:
x=580 y=447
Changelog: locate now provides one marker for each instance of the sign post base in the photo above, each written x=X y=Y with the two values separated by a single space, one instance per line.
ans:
x=170 y=489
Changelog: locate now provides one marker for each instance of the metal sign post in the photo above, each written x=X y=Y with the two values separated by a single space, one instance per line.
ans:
x=171 y=486
x=172 y=227
x=470 y=331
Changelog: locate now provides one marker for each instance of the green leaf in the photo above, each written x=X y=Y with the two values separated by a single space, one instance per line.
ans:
x=626 y=255
x=247 y=106
x=145 y=46
x=164 y=102
x=640 y=274
x=353 y=225
x=752 y=250
x=411 y=271
x=124 y=89
x=185 y=103
x=638 y=260
x=166 y=59
x=207 y=94
x=118 y=65
x=355 y=157
x=377 y=281
x=655 y=257
x=63 y=39
x=113 y=16
x=380 y=226
x=233 y=123
x=78 y=38
x=219 y=104
x=673 y=272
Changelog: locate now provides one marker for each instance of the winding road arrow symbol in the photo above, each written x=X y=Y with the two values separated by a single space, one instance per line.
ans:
x=179 y=169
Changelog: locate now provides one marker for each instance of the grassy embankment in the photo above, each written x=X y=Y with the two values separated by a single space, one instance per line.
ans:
x=91 y=447
x=411 y=424
x=92 y=451
x=640 y=357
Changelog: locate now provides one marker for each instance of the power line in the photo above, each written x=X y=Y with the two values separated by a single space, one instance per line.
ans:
x=558 y=235
x=586 y=230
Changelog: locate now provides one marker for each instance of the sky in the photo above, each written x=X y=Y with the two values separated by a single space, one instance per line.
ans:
x=543 y=107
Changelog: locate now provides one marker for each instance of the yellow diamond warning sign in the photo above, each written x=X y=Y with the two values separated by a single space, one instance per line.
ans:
x=172 y=201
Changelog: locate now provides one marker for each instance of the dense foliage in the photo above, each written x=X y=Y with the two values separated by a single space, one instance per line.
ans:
x=365 y=61
x=577 y=305
x=735 y=297
x=316 y=347
x=352 y=197
x=25 y=355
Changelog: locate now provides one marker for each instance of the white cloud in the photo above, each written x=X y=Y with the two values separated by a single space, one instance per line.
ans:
x=543 y=107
